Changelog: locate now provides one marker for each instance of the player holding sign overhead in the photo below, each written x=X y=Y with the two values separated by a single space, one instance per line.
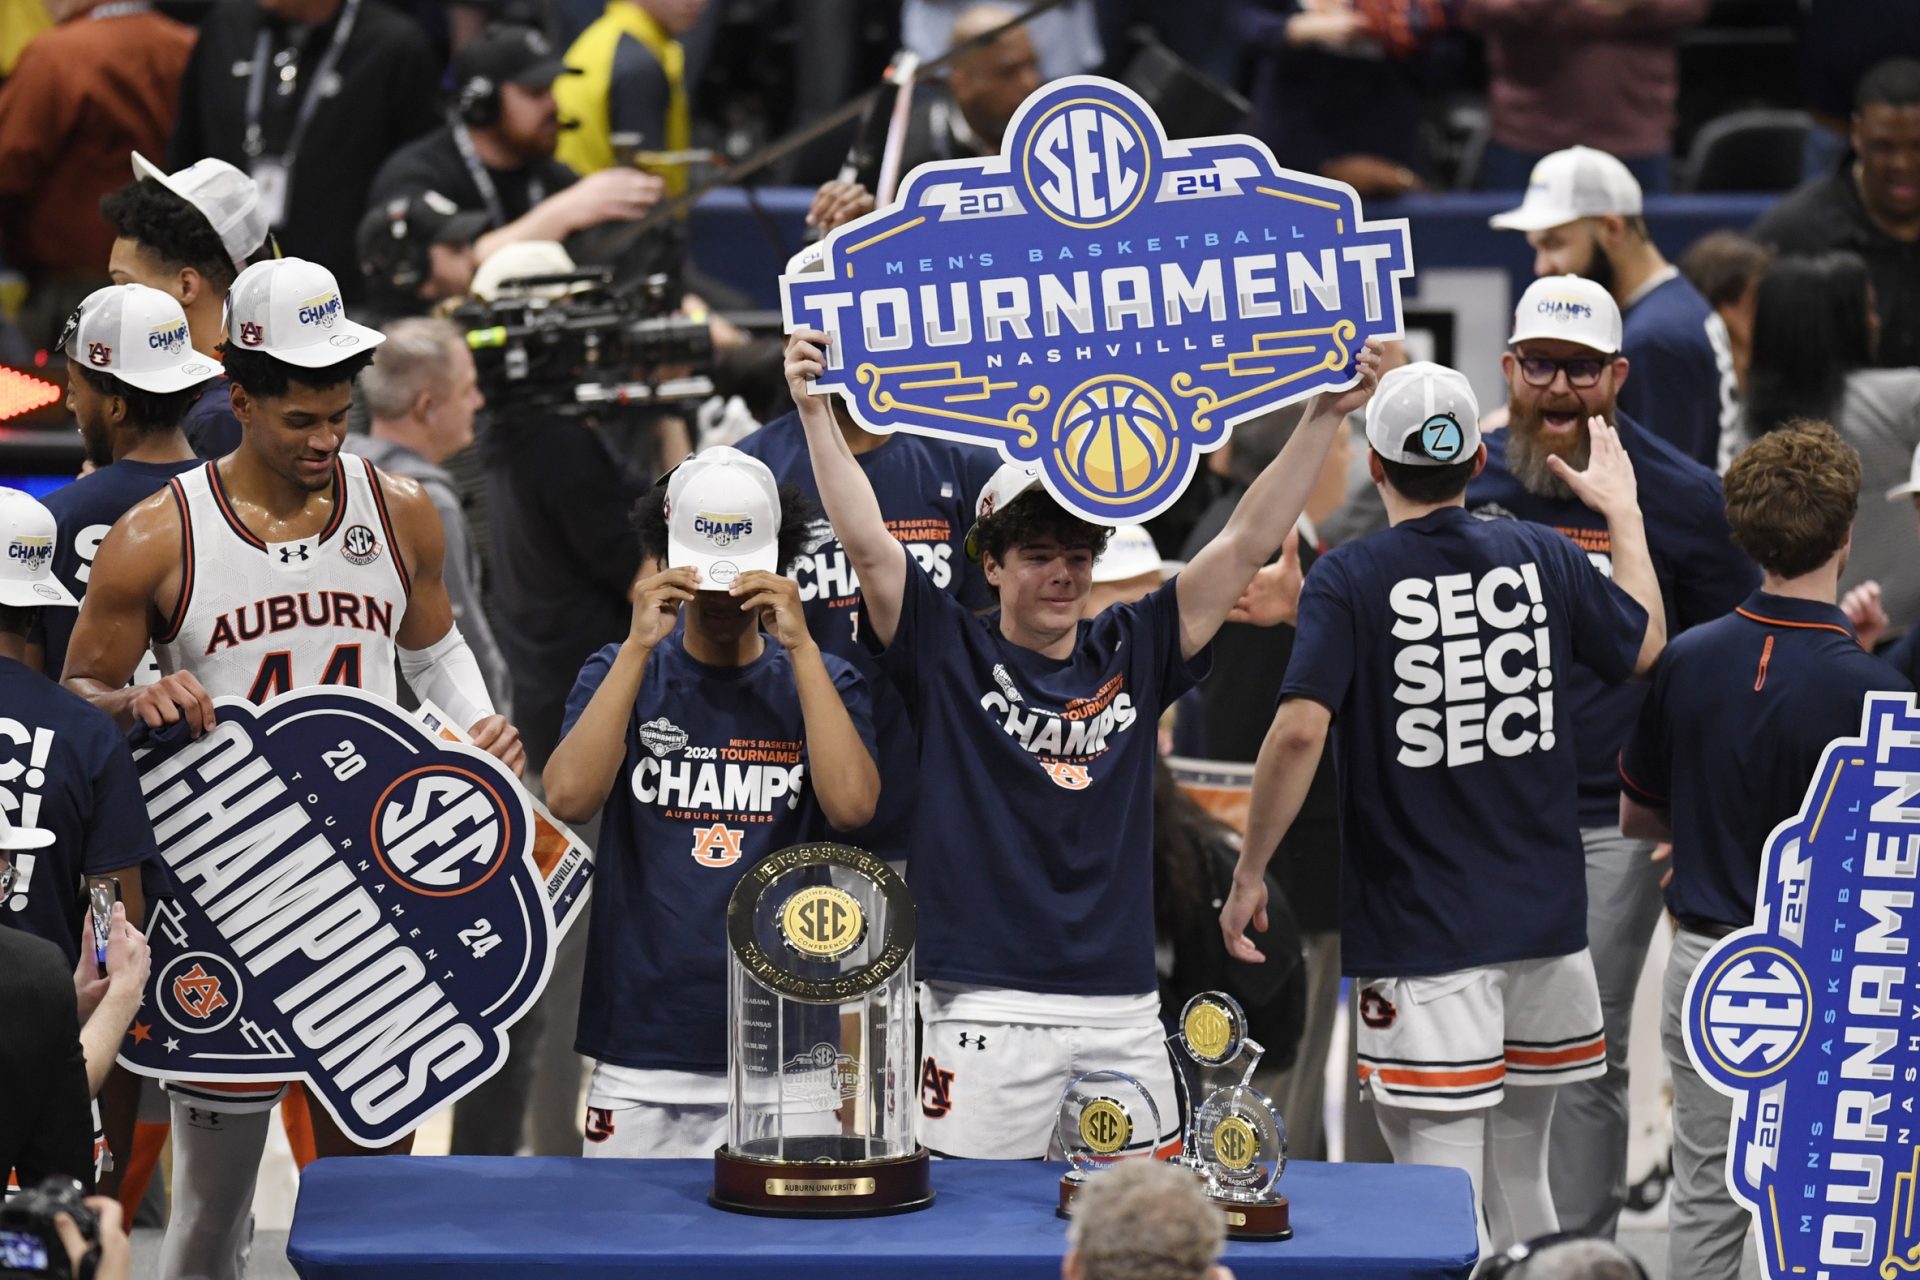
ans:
x=284 y=564
x=1442 y=646
x=1032 y=857
x=711 y=745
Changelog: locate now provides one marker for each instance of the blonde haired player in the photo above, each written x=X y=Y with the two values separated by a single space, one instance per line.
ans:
x=286 y=563
x=1033 y=850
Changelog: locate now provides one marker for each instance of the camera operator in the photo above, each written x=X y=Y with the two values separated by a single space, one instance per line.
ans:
x=56 y=1230
x=416 y=251
x=496 y=151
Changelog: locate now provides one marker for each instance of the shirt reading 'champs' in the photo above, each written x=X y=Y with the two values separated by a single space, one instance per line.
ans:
x=1443 y=647
x=1033 y=843
x=714 y=779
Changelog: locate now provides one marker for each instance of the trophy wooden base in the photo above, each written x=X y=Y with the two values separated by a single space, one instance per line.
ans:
x=832 y=1182
x=1266 y=1220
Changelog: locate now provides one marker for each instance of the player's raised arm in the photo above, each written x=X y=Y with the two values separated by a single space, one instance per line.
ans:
x=136 y=579
x=851 y=506
x=1214 y=580
x=434 y=656
x=1608 y=486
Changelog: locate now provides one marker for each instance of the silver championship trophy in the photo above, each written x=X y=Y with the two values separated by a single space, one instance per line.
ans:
x=820 y=1065
x=1236 y=1140
x=1105 y=1117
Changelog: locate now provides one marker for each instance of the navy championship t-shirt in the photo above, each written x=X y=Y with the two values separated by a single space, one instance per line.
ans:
x=714 y=779
x=65 y=768
x=1737 y=716
x=1702 y=576
x=84 y=511
x=1033 y=837
x=926 y=489
x=1442 y=646
x=1680 y=381
x=210 y=425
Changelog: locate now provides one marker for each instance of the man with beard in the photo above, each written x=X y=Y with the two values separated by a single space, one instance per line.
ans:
x=496 y=153
x=132 y=375
x=1563 y=367
x=1582 y=216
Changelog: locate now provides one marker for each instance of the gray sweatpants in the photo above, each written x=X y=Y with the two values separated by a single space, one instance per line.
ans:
x=1587 y=1157
x=1707 y=1228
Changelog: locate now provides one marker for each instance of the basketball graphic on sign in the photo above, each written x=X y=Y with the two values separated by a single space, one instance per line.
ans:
x=1115 y=439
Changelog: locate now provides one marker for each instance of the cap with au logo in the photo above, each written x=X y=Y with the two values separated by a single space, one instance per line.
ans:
x=140 y=336
x=26 y=554
x=723 y=516
x=290 y=309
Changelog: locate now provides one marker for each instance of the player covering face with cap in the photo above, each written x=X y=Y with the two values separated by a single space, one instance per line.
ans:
x=1032 y=853
x=710 y=745
x=1435 y=650
x=239 y=576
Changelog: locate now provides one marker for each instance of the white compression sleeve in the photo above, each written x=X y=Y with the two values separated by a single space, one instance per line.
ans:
x=447 y=674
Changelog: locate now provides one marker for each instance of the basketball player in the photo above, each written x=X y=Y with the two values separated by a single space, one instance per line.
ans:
x=1438 y=646
x=1033 y=849
x=653 y=732
x=132 y=374
x=286 y=563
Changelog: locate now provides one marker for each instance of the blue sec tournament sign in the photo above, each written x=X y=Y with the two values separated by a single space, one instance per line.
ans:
x=352 y=903
x=1810 y=1019
x=1099 y=301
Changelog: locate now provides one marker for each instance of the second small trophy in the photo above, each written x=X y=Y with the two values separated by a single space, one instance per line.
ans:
x=1235 y=1140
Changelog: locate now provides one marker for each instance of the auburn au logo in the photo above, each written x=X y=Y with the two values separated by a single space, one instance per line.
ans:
x=599 y=1124
x=936 y=1090
x=1376 y=1010
x=717 y=845
x=198 y=992
x=1074 y=777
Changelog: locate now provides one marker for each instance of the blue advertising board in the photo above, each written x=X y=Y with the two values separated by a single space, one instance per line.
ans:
x=352 y=902
x=1098 y=301
x=1808 y=1019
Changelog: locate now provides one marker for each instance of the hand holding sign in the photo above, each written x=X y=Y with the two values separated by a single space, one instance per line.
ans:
x=1607 y=485
x=1370 y=363
x=172 y=698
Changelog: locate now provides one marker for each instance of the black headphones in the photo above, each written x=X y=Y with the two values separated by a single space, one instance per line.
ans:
x=479 y=101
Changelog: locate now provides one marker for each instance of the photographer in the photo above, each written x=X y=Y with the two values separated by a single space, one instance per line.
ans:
x=417 y=251
x=51 y=1231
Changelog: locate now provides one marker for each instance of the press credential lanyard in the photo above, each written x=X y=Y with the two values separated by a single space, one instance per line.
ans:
x=483 y=177
x=270 y=173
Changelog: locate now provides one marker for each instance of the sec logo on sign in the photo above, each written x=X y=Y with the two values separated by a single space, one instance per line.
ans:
x=1755 y=1010
x=1088 y=163
x=441 y=830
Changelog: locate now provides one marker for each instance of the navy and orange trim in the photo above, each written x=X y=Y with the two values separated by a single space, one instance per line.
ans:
x=1620 y=765
x=178 y=617
x=253 y=539
x=1751 y=616
x=386 y=526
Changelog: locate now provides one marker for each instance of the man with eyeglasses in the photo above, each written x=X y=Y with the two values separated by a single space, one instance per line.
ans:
x=1563 y=365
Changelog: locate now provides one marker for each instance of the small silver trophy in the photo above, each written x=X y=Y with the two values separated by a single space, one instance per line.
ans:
x=1236 y=1140
x=1105 y=1116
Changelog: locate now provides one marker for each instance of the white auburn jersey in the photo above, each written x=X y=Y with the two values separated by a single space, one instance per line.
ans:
x=259 y=618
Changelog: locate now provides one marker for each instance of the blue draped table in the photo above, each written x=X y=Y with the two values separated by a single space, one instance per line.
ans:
x=421 y=1217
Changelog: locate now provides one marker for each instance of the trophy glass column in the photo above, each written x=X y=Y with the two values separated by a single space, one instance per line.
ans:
x=820 y=1068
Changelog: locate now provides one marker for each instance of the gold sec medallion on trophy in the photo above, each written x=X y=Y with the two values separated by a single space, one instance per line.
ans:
x=1105 y=1126
x=822 y=922
x=1208 y=1030
x=1234 y=1143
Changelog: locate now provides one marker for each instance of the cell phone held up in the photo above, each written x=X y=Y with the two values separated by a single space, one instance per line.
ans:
x=102 y=893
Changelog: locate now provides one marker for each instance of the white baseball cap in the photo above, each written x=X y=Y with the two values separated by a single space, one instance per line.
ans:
x=1425 y=415
x=228 y=199
x=1130 y=554
x=12 y=837
x=522 y=260
x=1569 y=185
x=1008 y=482
x=290 y=309
x=723 y=516
x=1568 y=309
x=26 y=554
x=140 y=336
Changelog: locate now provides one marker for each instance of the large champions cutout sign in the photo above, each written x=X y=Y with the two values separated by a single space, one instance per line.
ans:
x=1810 y=1020
x=353 y=904
x=1098 y=301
